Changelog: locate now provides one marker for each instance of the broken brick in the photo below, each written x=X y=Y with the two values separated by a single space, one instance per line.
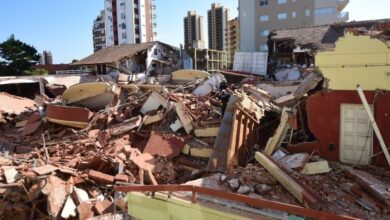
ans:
x=104 y=207
x=168 y=146
x=122 y=178
x=100 y=177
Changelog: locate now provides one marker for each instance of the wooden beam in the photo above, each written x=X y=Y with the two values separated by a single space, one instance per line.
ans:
x=298 y=191
x=373 y=123
x=275 y=141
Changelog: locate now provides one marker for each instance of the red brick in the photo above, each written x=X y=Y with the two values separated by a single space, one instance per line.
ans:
x=168 y=146
x=100 y=177
x=104 y=207
x=122 y=178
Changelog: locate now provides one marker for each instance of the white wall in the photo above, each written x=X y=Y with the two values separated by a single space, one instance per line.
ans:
x=247 y=16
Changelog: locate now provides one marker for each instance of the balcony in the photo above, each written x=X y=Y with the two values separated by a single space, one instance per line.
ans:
x=343 y=16
x=342 y=4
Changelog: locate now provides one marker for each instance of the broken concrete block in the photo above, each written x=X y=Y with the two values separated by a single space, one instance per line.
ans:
x=153 y=119
x=46 y=169
x=100 y=177
x=316 y=168
x=69 y=209
x=234 y=184
x=154 y=101
x=69 y=116
x=206 y=132
x=186 y=150
x=185 y=119
x=262 y=189
x=294 y=161
x=126 y=126
x=244 y=189
x=201 y=152
x=93 y=95
x=11 y=174
x=80 y=195
x=5 y=161
x=176 y=126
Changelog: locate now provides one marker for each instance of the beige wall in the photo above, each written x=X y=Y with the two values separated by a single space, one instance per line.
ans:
x=250 y=12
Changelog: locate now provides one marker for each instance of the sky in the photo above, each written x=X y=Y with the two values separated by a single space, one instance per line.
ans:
x=65 y=26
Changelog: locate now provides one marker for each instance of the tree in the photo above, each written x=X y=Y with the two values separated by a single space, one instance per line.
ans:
x=16 y=57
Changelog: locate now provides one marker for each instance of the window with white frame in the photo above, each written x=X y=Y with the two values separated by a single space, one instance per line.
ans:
x=264 y=33
x=294 y=14
x=264 y=18
x=282 y=1
x=282 y=15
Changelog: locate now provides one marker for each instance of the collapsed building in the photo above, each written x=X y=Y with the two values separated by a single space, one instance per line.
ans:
x=304 y=141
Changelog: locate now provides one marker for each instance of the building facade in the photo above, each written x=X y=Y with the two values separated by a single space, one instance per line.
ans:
x=218 y=17
x=129 y=21
x=45 y=58
x=99 y=32
x=232 y=38
x=193 y=31
x=259 y=17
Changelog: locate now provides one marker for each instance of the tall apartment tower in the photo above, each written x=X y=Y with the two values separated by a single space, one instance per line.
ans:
x=45 y=58
x=129 y=21
x=218 y=18
x=193 y=31
x=232 y=38
x=259 y=17
x=99 y=32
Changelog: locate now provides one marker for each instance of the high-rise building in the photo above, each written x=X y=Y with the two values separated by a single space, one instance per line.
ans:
x=129 y=21
x=259 y=17
x=99 y=32
x=218 y=18
x=45 y=58
x=232 y=38
x=193 y=31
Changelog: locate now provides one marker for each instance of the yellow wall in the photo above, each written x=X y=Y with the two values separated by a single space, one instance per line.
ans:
x=164 y=208
x=345 y=67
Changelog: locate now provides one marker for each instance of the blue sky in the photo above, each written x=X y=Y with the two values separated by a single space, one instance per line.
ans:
x=65 y=26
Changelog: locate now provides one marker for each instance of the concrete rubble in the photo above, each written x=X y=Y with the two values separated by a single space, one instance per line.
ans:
x=77 y=146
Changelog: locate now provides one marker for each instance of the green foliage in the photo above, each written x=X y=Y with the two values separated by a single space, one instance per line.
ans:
x=36 y=72
x=16 y=57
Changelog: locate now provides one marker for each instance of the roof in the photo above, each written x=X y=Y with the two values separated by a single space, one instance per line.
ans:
x=117 y=53
x=324 y=37
x=321 y=37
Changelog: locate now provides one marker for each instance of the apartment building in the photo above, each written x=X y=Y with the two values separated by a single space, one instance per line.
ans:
x=193 y=31
x=99 y=32
x=259 y=17
x=129 y=21
x=232 y=38
x=45 y=58
x=218 y=17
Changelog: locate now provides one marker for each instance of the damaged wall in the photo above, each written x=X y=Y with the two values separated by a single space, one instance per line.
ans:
x=349 y=65
x=324 y=117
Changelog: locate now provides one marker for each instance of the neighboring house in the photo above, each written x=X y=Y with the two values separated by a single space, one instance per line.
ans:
x=336 y=117
x=152 y=58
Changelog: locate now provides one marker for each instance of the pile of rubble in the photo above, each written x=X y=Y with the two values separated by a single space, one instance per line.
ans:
x=61 y=157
